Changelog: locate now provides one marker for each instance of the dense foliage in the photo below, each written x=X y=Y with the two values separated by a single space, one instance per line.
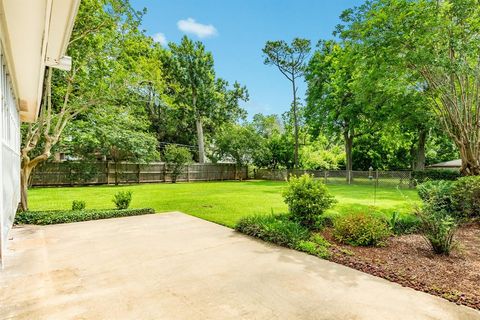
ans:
x=466 y=197
x=361 y=229
x=437 y=174
x=438 y=194
x=280 y=230
x=460 y=198
x=432 y=47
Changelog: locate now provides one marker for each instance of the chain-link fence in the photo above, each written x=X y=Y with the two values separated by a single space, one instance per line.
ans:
x=381 y=178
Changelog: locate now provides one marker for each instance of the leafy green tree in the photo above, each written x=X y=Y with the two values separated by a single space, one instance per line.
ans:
x=177 y=158
x=194 y=72
x=321 y=155
x=207 y=98
x=335 y=103
x=276 y=142
x=267 y=125
x=438 y=43
x=114 y=133
x=238 y=142
x=291 y=62
x=94 y=44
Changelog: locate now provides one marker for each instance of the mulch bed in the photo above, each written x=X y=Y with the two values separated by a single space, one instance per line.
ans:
x=409 y=261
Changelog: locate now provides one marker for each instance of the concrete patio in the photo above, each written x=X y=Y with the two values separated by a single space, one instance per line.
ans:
x=174 y=266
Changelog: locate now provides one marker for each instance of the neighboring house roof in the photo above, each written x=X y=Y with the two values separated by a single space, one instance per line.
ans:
x=448 y=164
x=35 y=34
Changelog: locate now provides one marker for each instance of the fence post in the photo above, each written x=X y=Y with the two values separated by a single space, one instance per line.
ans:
x=326 y=176
x=138 y=172
x=188 y=173
x=108 y=172
x=376 y=177
x=164 y=172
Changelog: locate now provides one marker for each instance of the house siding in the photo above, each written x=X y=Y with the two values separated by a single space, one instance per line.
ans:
x=9 y=154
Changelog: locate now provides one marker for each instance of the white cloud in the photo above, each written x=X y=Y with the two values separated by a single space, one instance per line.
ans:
x=200 y=30
x=160 y=38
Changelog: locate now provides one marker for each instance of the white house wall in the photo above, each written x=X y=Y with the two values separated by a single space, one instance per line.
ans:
x=9 y=154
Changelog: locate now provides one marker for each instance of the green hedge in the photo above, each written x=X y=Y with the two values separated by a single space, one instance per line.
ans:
x=59 y=216
x=439 y=174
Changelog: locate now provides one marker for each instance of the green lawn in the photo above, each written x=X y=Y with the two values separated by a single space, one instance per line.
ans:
x=221 y=202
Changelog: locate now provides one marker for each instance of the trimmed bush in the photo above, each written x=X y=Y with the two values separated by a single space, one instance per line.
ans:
x=438 y=228
x=78 y=205
x=307 y=199
x=122 y=199
x=466 y=197
x=58 y=216
x=278 y=229
x=422 y=176
x=403 y=224
x=361 y=229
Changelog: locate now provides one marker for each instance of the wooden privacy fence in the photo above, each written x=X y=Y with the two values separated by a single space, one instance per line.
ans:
x=380 y=178
x=78 y=173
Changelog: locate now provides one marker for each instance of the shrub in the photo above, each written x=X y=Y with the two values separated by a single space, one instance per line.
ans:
x=307 y=199
x=176 y=158
x=438 y=228
x=324 y=221
x=361 y=229
x=316 y=245
x=438 y=194
x=466 y=197
x=403 y=224
x=307 y=246
x=427 y=175
x=78 y=205
x=122 y=199
x=278 y=229
x=319 y=240
x=59 y=216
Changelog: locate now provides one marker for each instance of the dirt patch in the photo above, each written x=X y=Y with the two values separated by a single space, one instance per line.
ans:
x=409 y=261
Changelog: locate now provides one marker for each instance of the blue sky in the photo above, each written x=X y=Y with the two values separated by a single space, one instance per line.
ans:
x=236 y=31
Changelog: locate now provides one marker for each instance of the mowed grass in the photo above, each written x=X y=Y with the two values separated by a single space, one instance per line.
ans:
x=221 y=202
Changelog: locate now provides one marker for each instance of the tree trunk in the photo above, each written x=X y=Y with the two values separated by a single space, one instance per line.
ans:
x=201 y=146
x=199 y=125
x=295 y=121
x=420 y=151
x=348 y=151
x=470 y=164
x=25 y=173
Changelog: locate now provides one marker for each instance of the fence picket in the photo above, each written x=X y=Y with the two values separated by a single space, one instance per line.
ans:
x=59 y=174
